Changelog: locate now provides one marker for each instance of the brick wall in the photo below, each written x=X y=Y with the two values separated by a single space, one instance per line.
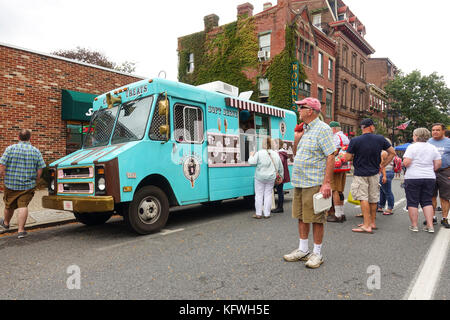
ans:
x=30 y=95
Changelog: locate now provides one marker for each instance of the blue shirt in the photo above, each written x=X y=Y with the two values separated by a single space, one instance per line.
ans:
x=366 y=150
x=443 y=147
x=22 y=161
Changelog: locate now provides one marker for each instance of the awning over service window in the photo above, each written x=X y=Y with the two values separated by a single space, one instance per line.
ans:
x=77 y=105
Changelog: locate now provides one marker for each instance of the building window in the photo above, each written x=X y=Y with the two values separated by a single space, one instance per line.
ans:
x=354 y=63
x=320 y=94
x=317 y=21
x=76 y=131
x=264 y=87
x=353 y=98
x=361 y=100
x=264 y=43
x=191 y=63
x=344 y=94
x=345 y=57
x=304 y=89
x=305 y=52
x=362 y=71
x=330 y=69
x=329 y=104
x=320 y=68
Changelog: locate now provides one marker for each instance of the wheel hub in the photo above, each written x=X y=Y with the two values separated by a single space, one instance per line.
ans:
x=148 y=210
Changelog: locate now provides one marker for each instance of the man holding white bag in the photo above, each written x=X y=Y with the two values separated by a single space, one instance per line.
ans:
x=313 y=168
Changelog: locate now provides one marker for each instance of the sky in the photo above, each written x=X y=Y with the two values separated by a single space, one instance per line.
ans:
x=412 y=34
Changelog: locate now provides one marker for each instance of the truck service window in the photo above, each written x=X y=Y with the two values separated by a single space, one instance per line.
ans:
x=188 y=124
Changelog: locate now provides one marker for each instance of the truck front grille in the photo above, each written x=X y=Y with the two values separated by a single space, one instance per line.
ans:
x=80 y=188
x=76 y=173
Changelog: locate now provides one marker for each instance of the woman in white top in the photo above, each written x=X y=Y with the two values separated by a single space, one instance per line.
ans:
x=421 y=160
x=268 y=163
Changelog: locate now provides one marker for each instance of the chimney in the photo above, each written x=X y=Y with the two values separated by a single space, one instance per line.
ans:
x=267 y=5
x=211 y=21
x=245 y=9
x=282 y=3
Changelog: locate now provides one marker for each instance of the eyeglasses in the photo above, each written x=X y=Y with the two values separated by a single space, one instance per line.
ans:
x=304 y=107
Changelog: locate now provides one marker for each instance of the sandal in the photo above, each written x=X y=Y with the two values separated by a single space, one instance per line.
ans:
x=256 y=216
x=388 y=213
x=360 y=225
x=362 y=230
x=360 y=215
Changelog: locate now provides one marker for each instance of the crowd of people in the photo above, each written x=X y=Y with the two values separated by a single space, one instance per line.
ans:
x=321 y=155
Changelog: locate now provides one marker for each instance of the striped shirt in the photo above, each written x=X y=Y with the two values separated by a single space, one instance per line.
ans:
x=22 y=161
x=313 y=149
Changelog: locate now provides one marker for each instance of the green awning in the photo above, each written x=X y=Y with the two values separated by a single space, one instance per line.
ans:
x=76 y=105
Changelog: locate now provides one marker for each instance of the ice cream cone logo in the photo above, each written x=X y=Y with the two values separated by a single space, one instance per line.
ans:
x=191 y=169
x=282 y=128
x=219 y=124
x=225 y=123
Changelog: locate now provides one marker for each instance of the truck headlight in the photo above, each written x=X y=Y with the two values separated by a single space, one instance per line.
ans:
x=101 y=184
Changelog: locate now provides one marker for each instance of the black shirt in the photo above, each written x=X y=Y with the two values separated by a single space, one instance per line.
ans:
x=366 y=150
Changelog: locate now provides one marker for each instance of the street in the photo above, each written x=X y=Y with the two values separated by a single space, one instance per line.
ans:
x=221 y=253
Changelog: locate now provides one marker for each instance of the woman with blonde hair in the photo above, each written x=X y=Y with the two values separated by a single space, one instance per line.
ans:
x=421 y=160
x=268 y=165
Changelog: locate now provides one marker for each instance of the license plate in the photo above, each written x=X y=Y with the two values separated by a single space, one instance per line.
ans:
x=68 y=205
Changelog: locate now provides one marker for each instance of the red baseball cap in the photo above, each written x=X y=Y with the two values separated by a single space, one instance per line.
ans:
x=313 y=103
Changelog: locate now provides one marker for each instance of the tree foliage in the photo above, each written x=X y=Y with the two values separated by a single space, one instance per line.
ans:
x=422 y=99
x=95 y=58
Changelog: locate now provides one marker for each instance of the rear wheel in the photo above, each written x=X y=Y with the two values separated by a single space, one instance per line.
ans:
x=149 y=210
x=92 y=218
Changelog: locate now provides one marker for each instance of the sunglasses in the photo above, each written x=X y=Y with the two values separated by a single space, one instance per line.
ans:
x=304 y=107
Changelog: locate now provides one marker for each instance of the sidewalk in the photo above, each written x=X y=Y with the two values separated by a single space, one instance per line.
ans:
x=38 y=217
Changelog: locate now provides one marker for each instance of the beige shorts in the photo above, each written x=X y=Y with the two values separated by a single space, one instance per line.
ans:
x=17 y=199
x=366 y=188
x=302 y=206
x=338 y=181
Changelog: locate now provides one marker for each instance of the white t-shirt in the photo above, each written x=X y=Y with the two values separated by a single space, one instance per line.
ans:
x=422 y=155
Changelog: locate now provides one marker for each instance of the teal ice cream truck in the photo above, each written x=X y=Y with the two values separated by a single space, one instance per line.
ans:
x=157 y=144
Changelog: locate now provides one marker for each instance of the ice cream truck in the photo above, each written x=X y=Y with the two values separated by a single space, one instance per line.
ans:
x=157 y=144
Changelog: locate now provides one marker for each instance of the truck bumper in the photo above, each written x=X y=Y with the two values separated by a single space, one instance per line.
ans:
x=79 y=204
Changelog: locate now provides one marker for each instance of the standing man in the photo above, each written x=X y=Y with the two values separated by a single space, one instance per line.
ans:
x=339 y=178
x=442 y=143
x=21 y=165
x=313 y=168
x=365 y=151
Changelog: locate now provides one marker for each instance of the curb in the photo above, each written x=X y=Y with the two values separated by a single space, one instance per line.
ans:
x=35 y=226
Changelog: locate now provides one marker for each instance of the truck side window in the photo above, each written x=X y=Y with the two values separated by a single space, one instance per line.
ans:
x=188 y=124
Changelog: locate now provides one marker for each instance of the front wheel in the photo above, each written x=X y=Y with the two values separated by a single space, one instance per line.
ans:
x=149 y=210
x=92 y=218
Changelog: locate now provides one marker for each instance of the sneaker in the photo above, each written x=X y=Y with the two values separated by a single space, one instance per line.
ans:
x=314 y=261
x=277 y=210
x=22 y=235
x=444 y=222
x=434 y=221
x=429 y=230
x=3 y=225
x=414 y=229
x=296 y=255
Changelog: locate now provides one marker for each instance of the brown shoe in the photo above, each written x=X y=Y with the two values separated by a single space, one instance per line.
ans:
x=333 y=218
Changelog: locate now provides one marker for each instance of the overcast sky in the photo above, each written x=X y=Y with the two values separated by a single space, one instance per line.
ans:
x=412 y=34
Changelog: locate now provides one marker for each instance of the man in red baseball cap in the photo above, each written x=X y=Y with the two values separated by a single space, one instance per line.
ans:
x=313 y=168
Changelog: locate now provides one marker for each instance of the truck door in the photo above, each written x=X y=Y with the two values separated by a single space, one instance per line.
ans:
x=189 y=143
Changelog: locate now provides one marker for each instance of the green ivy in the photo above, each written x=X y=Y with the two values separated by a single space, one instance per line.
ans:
x=279 y=72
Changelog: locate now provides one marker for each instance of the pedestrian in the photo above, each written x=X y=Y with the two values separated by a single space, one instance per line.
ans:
x=21 y=166
x=442 y=188
x=313 y=168
x=365 y=151
x=338 y=180
x=268 y=165
x=283 y=154
x=386 y=194
x=421 y=159
x=447 y=133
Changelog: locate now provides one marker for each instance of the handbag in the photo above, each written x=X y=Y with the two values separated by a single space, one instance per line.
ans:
x=278 y=179
x=340 y=165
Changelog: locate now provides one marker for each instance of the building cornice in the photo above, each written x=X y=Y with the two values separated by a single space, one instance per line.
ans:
x=347 y=29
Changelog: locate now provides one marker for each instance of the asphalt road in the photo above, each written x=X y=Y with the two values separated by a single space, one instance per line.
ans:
x=218 y=253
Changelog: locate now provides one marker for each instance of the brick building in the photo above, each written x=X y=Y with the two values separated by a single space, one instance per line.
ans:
x=51 y=96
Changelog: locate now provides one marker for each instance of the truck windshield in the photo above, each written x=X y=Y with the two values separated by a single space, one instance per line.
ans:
x=130 y=126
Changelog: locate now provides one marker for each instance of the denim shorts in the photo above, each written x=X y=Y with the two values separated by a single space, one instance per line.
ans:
x=419 y=191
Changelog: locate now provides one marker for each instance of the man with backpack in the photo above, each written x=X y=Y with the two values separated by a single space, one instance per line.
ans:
x=338 y=180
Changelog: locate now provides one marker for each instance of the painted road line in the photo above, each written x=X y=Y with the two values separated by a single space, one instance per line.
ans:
x=425 y=282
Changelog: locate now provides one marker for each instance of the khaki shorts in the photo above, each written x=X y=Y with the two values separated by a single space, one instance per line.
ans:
x=443 y=184
x=303 y=208
x=14 y=199
x=366 y=188
x=338 y=181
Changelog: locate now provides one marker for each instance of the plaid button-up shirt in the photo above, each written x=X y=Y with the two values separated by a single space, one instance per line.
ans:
x=22 y=161
x=313 y=149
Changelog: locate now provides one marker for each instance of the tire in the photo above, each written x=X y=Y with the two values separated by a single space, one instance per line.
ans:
x=149 y=211
x=92 y=218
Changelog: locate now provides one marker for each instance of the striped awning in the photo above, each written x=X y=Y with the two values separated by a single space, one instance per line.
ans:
x=254 y=107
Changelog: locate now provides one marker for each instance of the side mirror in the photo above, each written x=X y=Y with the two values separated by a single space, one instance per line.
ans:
x=163 y=107
x=163 y=110
x=111 y=101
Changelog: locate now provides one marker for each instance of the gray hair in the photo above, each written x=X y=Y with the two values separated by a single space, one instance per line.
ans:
x=422 y=134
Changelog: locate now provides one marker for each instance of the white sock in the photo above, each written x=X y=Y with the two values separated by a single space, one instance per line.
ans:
x=303 y=245
x=317 y=249
x=338 y=211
